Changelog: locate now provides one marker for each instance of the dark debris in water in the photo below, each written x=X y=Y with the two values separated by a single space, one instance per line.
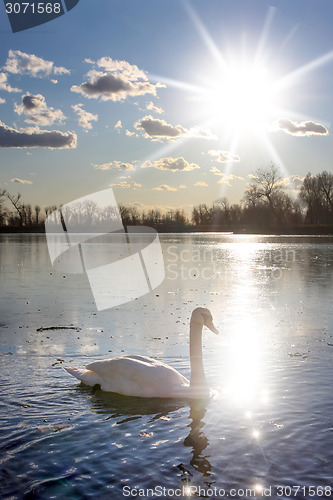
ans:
x=58 y=362
x=45 y=328
x=146 y=434
x=298 y=355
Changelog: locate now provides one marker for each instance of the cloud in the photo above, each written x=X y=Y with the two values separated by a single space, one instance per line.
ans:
x=5 y=86
x=163 y=208
x=201 y=184
x=119 y=80
x=226 y=178
x=300 y=129
x=151 y=107
x=173 y=164
x=115 y=164
x=2 y=101
x=126 y=185
x=84 y=116
x=223 y=156
x=35 y=138
x=20 y=63
x=129 y=133
x=157 y=129
x=20 y=181
x=34 y=106
x=165 y=187
x=292 y=181
x=118 y=124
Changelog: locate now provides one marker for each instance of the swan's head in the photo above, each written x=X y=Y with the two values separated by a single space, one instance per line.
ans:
x=203 y=317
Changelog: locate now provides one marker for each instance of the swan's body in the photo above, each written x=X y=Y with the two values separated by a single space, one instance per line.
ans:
x=146 y=377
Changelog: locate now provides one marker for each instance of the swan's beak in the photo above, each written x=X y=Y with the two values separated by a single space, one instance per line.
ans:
x=211 y=326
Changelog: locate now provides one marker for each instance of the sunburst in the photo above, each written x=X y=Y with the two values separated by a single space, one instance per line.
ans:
x=247 y=94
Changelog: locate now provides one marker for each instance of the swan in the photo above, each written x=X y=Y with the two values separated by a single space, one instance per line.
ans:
x=142 y=376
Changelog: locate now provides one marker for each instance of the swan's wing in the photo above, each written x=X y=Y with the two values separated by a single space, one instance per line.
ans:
x=139 y=376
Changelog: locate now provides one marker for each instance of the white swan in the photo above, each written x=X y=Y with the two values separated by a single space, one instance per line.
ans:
x=146 y=377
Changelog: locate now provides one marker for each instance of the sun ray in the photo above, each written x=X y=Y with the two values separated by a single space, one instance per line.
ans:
x=204 y=34
x=228 y=164
x=292 y=77
x=241 y=97
x=276 y=158
x=264 y=35
x=176 y=83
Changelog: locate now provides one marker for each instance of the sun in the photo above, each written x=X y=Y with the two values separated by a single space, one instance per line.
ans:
x=241 y=98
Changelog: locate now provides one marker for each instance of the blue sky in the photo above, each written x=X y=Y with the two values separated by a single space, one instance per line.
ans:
x=172 y=103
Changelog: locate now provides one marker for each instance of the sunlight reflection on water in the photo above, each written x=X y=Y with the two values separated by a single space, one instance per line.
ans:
x=269 y=420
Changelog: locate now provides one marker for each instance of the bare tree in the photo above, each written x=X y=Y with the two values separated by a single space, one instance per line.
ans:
x=252 y=196
x=3 y=211
x=267 y=183
x=316 y=195
x=325 y=181
x=202 y=214
x=37 y=212
x=19 y=207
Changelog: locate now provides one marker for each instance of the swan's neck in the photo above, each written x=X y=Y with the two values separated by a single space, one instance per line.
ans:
x=198 y=379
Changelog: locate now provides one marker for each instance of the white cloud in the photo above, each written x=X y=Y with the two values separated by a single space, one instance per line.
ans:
x=20 y=63
x=152 y=107
x=163 y=208
x=292 y=181
x=2 y=101
x=119 y=80
x=5 y=86
x=173 y=164
x=226 y=178
x=221 y=156
x=300 y=129
x=118 y=124
x=20 y=181
x=165 y=187
x=201 y=184
x=115 y=164
x=157 y=129
x=126 y=185
x=85 y=117
x=129 y=133
x=35 y=138
x=34 y=106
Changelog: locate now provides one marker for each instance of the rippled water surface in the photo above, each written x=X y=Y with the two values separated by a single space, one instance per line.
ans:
x=269 y=422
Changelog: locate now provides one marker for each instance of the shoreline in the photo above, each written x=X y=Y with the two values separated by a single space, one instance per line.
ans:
x=306 y=230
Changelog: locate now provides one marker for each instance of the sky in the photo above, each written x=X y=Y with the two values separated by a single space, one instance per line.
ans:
x=171 y=103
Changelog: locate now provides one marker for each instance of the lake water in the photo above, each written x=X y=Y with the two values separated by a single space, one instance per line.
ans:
x=267 y=431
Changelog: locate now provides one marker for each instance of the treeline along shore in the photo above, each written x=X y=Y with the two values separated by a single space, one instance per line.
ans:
x=267 y=207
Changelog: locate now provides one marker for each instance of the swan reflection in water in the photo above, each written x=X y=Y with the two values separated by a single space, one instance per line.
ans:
x=131 y=412
x=197 y=438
